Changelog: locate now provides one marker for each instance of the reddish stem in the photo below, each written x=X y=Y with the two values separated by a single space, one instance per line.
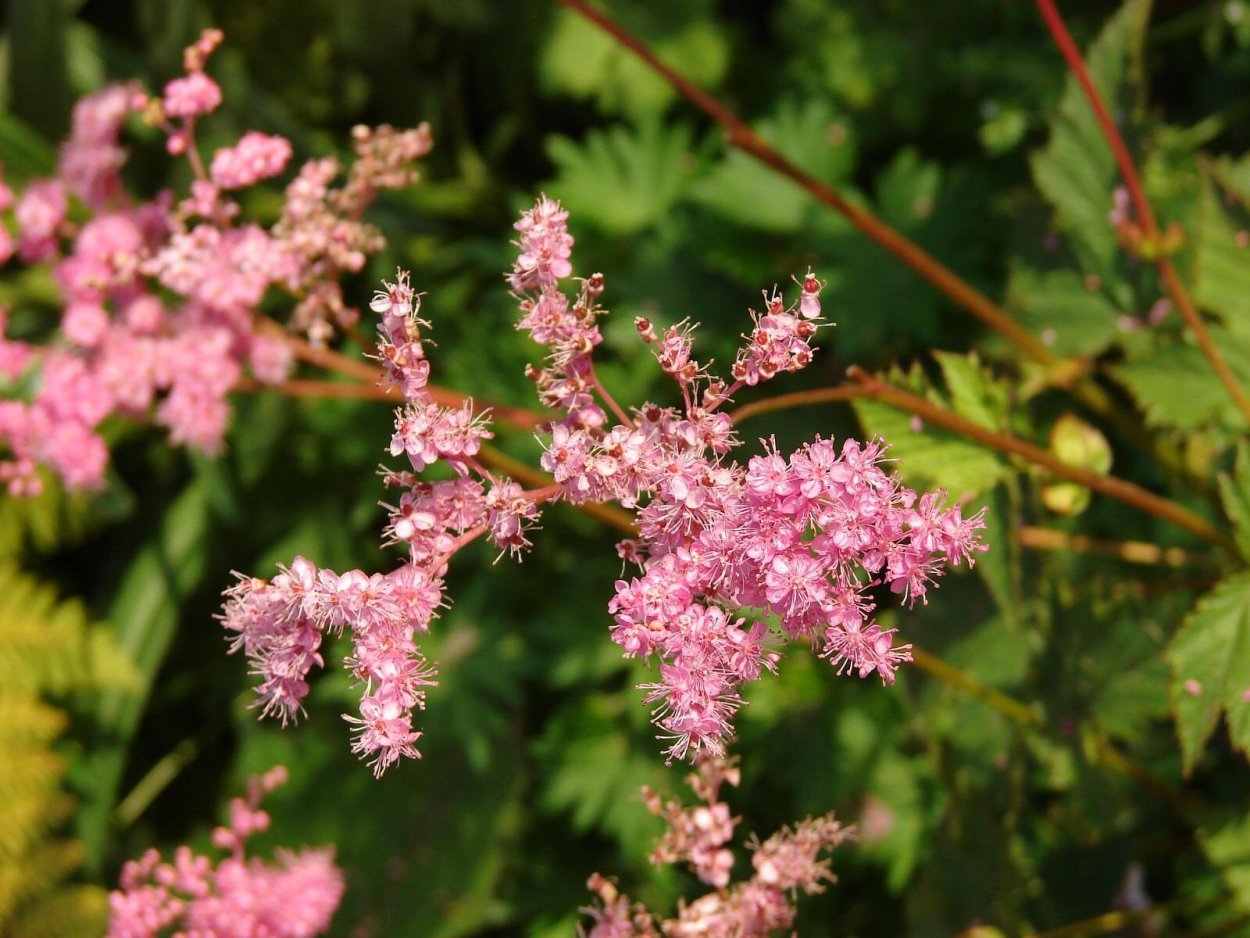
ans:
x=608 y=399
x=1141 y=206
x=1119 y=489
x=517 y=417
x=867 y=385
x=302 y=387
x=741 y=136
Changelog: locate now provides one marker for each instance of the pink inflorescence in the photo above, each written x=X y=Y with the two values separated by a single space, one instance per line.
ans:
x=234 y=897
x=787 y=862
x=803 y=537
x=280 y=623
x=159 y=298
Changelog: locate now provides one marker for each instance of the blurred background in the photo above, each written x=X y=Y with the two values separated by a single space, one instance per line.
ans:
x=536 y=740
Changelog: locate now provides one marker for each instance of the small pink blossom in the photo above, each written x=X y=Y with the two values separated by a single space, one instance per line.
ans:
x=255 y=157
x=191 y=96
x=787 y=862
x=545 y=247
x=39 y=214
x=233 y=897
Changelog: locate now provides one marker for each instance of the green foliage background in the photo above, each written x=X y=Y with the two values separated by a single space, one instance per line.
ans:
x=955 y=123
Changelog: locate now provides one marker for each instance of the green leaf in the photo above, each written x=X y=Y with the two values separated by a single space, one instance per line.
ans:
x=24 y=154
x=145 y=614
x=907 y=189
x=898 y=797
x=1058 y=308
x=595 y=774
x=1175 y=386
x=622 y=180
x=1221 y=278
x=972 y=390
x=743 y=190
x=1228 y=849
x=1130 y=700
x=1210 y=658
x=1235 y=495
x=582 y=60
x=930 y=456
x=1076 y=171
x=37 y=79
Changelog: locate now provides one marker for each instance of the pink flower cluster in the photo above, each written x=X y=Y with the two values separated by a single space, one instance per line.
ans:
x=280 y=623
x=788 y=861
x=568 y=382
x=159 y=298
x=804 y=537
x=237 y=897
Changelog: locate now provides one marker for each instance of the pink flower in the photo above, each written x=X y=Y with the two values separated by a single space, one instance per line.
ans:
x=545 y=247
x=235 y=897
x=788 y=861
x=90 y=161
x=191 y=96
x=39 y=214
x=255 y=157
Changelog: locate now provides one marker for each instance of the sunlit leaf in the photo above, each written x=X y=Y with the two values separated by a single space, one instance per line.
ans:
x=622 y=180
x=1076 y=171
x=1175 y=386
x=1210 y=658
x=1060 y=309
x=813 y=136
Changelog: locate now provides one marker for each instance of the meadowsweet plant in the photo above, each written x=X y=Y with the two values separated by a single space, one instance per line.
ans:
x=788 y=862
x=1070 y=758
x=234 y=896
x=798 y=541
x=161 y=299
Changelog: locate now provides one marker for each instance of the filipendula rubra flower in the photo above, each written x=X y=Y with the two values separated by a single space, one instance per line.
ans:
x=730 y=561
x=786 y=863
x=233 y=897
x=159 y=298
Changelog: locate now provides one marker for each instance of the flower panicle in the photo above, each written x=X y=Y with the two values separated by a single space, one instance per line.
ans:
x=792 y=860
x=233 y=896
x=805 y=537
x=160 y=297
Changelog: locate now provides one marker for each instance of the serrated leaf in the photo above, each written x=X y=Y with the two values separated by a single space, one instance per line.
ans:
x=622 y=180
x=1076 y=171
x=582 y=60
x=812 y=136
x=596 y=776
x=1221 y=278
x=1130 y=700
x=1235 y=496
x=1234 y=175
x=1176 y=388
x=971 y=389
x=1210 y=659
x=930 y=456
x=907 y=189
x=1228 y=849
x=1058 y=308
